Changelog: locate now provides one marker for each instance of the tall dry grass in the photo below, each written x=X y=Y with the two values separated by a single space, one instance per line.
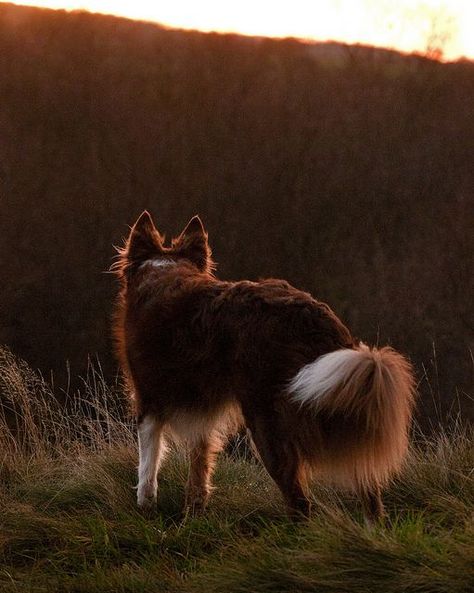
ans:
x=68 y=519
x=35 y=421
x=346 y=171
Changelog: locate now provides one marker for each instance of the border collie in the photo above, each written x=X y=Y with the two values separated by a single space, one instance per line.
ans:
x=204 y=358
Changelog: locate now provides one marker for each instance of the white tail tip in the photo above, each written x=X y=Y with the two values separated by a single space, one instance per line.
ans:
x=319 y=378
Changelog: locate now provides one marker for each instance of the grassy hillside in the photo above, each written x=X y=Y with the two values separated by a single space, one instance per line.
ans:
x=68 y=520
x=345 y=170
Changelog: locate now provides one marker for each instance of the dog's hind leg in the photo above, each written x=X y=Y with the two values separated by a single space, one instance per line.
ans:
x=203 y=457
x=151 y=448
x=282 y=461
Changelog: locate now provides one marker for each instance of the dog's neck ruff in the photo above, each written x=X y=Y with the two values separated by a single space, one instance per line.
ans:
x=158 y=262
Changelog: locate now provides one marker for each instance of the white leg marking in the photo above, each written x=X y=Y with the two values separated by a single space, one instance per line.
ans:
x=151 y=451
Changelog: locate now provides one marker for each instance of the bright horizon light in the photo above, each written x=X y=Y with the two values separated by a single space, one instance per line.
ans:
x=424 y=26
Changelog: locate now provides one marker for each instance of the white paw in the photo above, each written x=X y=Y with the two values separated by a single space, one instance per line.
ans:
x=146 y=497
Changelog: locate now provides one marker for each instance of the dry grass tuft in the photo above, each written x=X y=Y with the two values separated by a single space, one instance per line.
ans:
x=68 y=519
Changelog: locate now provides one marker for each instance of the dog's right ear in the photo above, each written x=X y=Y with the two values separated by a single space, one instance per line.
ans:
x=193 y=245
x=144 y=241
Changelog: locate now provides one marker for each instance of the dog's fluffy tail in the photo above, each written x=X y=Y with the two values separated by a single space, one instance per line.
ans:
x=361 y=400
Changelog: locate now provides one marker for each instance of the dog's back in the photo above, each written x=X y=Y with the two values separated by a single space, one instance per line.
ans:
x=204 y=355
x=192 y=340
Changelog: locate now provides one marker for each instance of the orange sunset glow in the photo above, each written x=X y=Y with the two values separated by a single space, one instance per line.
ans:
x=436 y=27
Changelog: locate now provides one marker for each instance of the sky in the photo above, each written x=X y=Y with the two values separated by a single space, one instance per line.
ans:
x=406 y=25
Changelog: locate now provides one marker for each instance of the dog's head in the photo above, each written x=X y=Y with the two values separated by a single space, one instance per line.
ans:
x=146 y=243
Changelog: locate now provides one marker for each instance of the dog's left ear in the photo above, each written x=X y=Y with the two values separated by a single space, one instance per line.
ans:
x=192 y=244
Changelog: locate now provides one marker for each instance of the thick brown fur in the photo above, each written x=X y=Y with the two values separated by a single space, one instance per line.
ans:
x=203 y=357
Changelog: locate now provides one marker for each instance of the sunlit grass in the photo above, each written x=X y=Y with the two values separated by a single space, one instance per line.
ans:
x=68 y=520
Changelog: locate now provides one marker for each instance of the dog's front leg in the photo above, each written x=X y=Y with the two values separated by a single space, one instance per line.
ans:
x=151 y=447
x=374 y=511
x=203 y=460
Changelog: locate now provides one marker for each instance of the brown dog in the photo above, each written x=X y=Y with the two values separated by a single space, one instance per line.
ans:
x=203 y=357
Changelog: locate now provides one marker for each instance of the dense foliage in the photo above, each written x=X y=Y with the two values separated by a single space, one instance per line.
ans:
x=347 y=171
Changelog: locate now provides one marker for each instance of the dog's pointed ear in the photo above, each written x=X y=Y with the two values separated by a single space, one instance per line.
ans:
x=144 y=224
x=192 y=244
x=195 y=226
x=144 y=241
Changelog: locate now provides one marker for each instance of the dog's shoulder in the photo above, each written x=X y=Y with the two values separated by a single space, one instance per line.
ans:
x=267 y=291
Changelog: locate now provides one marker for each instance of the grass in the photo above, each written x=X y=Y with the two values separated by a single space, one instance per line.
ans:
x=68 y=520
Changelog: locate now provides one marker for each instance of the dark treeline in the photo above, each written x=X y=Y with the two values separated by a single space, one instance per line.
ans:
x=347 y=171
